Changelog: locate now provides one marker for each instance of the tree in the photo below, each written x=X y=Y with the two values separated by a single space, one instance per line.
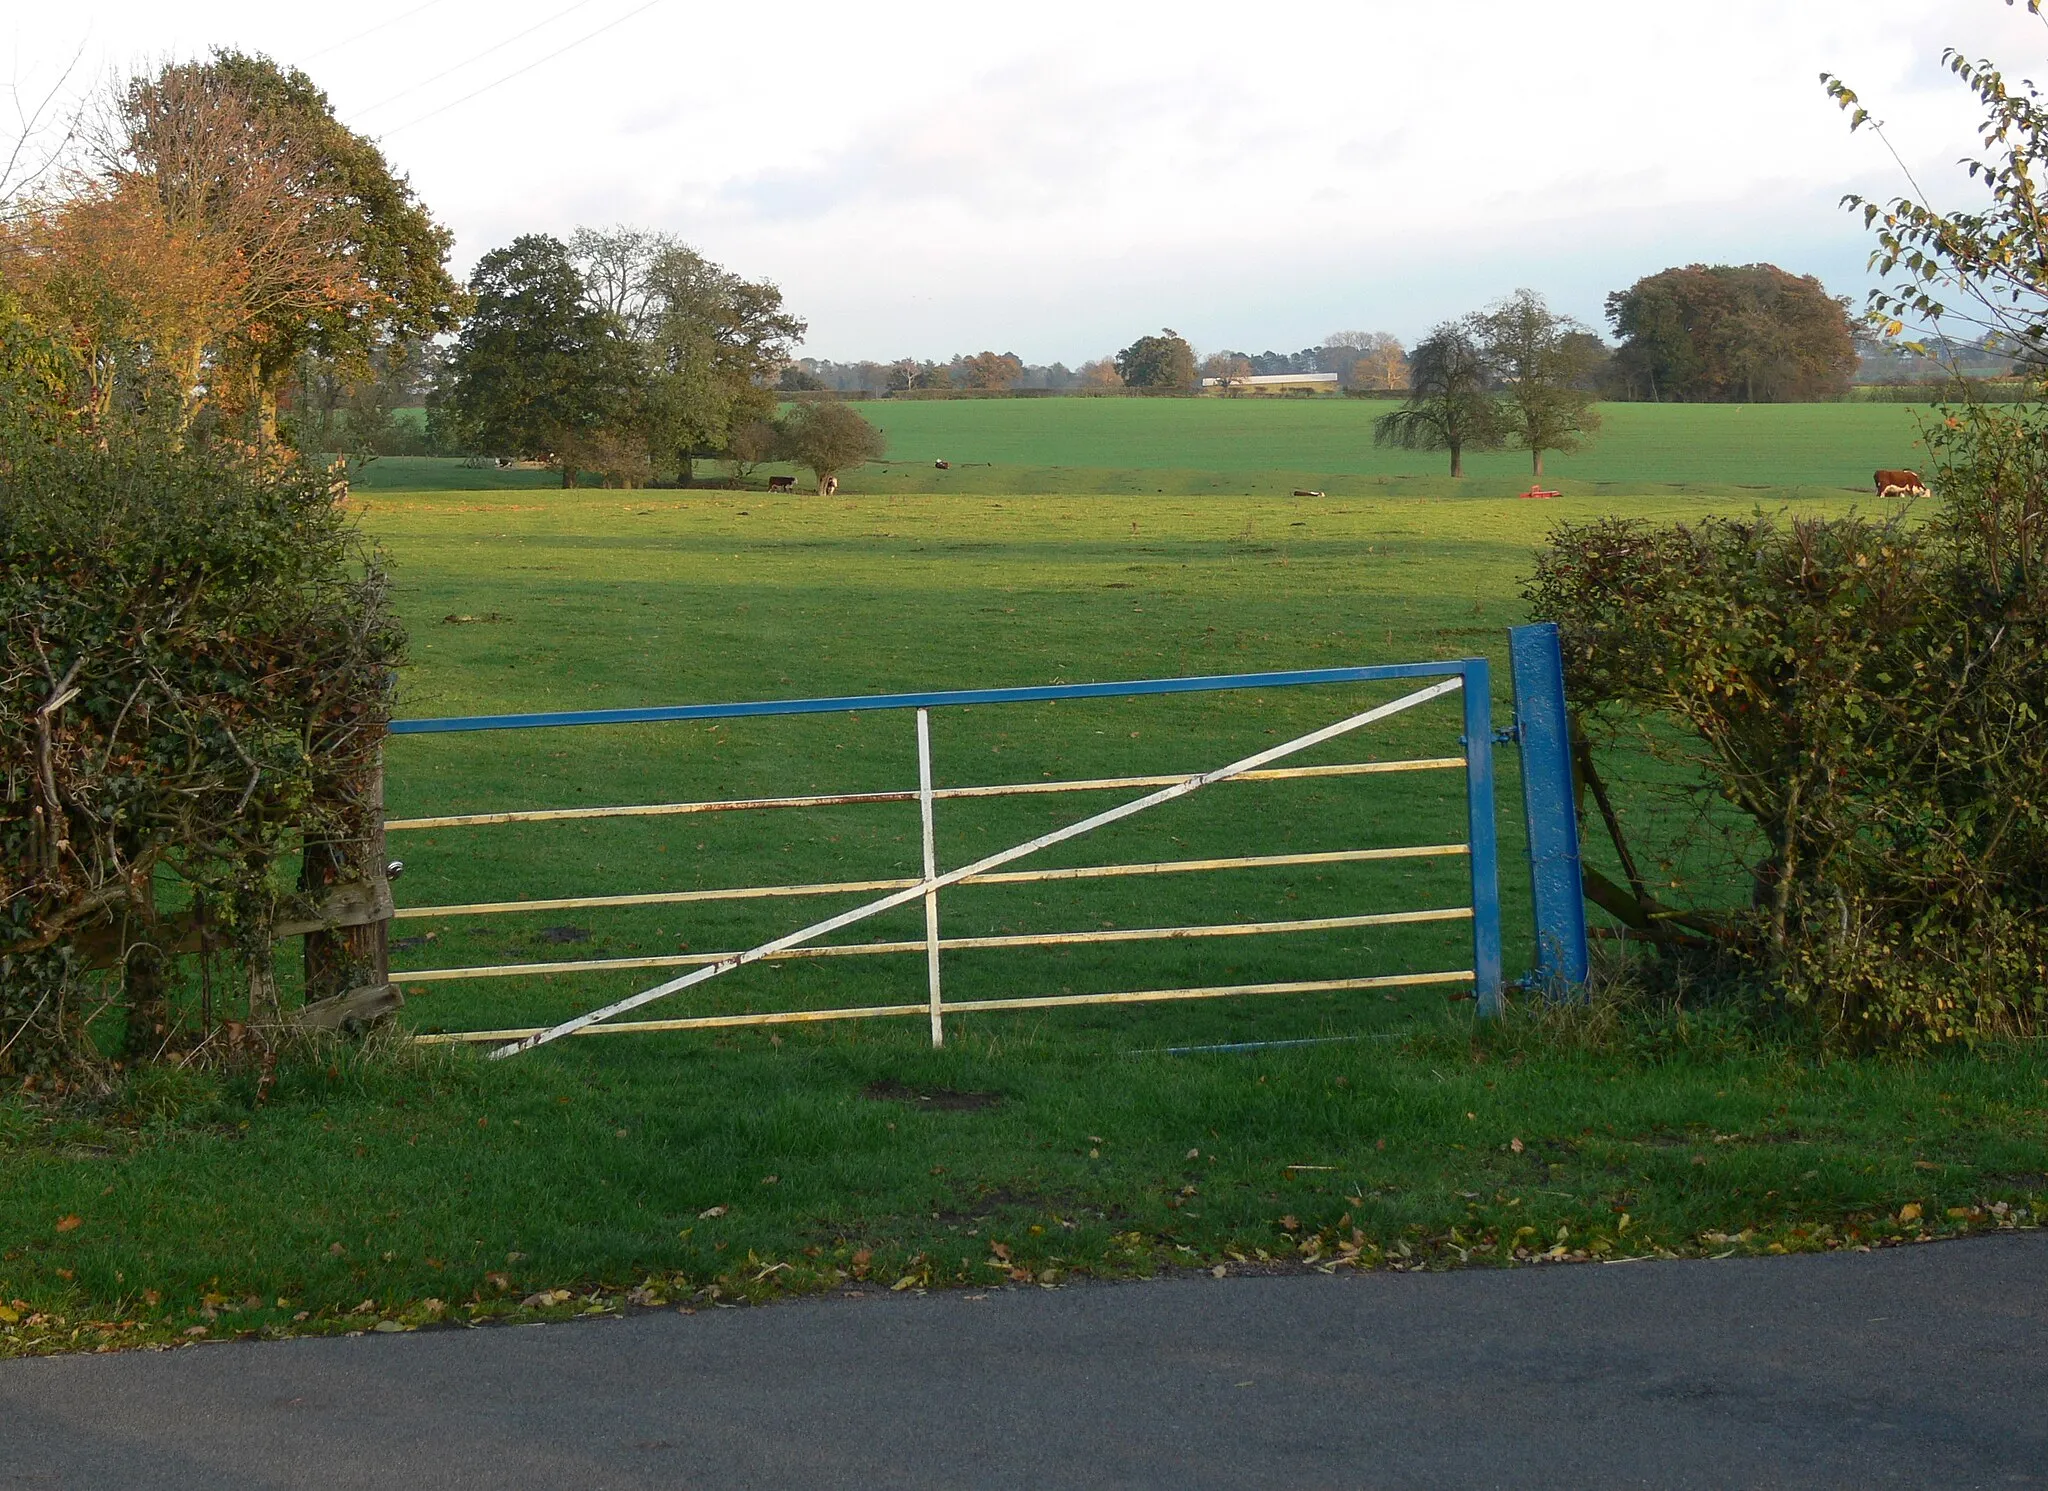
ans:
x=828 y=438
x=1448 y=407
x=1726 y=332
x=1163 y=361
x=711 y=342
x=1102 y=372
x=1986 y=267
x=995 y=370
x=750 y=445
x=1227 y=368
x=538 y=372
x=1546 y=363
x=1367 y=359
x=134 y=299
x=336 y=252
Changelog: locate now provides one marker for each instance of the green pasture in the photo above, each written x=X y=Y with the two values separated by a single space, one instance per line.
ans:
x=1269 y=446
x=348 y=1190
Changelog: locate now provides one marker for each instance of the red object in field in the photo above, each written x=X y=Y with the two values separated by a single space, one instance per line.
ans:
x=1537 y=492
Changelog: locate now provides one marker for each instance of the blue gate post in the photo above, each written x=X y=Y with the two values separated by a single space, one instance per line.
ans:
x=1479 y=833
x=1549 y=806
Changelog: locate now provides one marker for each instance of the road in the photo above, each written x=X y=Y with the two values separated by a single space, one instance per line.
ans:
x=1919 y=1366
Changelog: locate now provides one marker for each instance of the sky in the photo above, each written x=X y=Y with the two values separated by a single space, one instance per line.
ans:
x=1056 y=179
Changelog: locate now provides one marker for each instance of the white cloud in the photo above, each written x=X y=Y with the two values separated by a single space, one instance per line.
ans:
x=1053 y=179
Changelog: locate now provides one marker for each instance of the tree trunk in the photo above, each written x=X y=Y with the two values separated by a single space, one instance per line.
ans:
x=266 y=413
x=686 y=469
x=1457 y=460
x=568 y=474
x=1537 y=453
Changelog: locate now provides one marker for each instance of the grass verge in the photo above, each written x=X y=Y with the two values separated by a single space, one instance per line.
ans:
x=391 y=1190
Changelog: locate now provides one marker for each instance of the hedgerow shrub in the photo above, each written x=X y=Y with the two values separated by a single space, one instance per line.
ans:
x=195 y=655
x=1870 y=695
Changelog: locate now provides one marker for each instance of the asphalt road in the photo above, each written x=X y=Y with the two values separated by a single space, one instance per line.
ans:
x=1920 y=1366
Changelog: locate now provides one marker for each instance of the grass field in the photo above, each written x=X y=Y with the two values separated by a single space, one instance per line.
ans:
x=1268 y=447
x=352 y=1192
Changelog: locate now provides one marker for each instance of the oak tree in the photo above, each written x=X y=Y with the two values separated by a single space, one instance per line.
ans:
x=1448 y=406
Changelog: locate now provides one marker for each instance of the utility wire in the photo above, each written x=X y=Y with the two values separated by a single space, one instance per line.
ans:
x=538 y=62
x=349 y=41
x=470 y=61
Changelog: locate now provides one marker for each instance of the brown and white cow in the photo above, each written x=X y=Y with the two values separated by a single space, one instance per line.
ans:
x=1898 y=484
x=782 y=484
x=829 y=487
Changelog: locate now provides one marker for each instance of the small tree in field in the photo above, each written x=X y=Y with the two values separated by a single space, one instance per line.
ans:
x=1546 y=362
x=1448 y=407
x=750 y=445
x=830 y=437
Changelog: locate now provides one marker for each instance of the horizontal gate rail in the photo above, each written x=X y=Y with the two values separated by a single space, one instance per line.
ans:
x=940 y=794
x=944 y=699
x=1002 y=940
x=966 y=1006
x=999 y=877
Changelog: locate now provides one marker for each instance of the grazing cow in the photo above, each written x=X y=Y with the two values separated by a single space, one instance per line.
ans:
x=1898 y=484
x=943 y=465
x=829 y=487
x=1306 y=492
x=782 y=484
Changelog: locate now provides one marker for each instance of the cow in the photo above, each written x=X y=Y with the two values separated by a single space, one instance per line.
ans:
x=943 y=465
x=829 y=487
x=782 y=484
x=1898 y=484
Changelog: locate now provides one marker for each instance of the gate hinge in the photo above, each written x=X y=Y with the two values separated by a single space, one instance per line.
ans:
x=1510 y=736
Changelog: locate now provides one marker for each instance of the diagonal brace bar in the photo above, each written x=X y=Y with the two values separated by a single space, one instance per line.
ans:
x=933 y=885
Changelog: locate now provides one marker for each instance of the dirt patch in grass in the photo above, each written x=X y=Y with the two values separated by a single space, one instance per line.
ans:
x=888 y=1090
x=2025 y=1180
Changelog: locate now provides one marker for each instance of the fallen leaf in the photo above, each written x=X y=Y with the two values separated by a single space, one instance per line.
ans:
x=769 y=1180
x=1219 y=1270
x=1001 y=1250
x=9 y=1317
x=906 y=1282
x=1290 y=1223
x=197 y=1330
x=1515 y=1145
x=709 y=1212
x=1910 y=1212
x=388 y=1325
x=68 y=1224
x=1194 y=1154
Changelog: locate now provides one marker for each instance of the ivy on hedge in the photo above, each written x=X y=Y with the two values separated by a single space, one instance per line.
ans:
x=195 y=660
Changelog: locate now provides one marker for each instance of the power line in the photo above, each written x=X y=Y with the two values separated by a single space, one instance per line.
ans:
x=335 y=46
x=538 y=62
x=470 y=61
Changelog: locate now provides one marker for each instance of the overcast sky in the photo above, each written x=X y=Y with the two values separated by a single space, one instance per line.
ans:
x=1057 y=178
